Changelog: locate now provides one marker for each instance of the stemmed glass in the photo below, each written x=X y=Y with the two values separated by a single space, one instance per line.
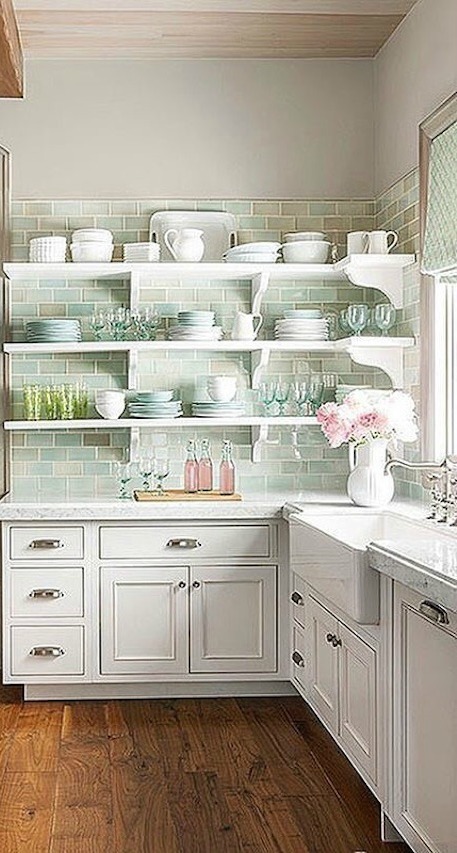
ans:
x=124 y=473
x=282 y=394
x=316 y=391
x=267 y=395
x=384 y=317
x=343 y=321
x=97 y=324
x=357 y=317
x=146 y=470
x=161 y=471
x=299 y=393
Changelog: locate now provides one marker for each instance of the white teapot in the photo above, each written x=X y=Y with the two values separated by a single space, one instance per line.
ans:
x=243 y=326
x=185 y=245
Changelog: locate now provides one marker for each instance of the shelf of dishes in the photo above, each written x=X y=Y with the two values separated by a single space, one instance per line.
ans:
x=161 y=423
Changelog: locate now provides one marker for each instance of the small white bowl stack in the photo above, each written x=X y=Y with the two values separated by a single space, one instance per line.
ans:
x=145 y=253
x=307 y=324
x=305 y=247
x=261 y=252
x=110 y=404
x=91 y=245
x=47 y=250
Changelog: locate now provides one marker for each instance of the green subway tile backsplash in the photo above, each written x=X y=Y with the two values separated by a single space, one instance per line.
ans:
x=79 y=465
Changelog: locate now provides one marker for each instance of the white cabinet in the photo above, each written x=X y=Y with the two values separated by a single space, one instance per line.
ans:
x=425 y=722
x=233 y=619
x=339 y=677
x=144 y=620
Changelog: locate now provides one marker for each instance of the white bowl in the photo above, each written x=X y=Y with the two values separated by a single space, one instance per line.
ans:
x=91 y=252
x=98 y=235
x=165 y=396
x=109 y=396
x=306 y=252
x=293 y=236
x=221 y=389
x=110 y=411
x=246 y=248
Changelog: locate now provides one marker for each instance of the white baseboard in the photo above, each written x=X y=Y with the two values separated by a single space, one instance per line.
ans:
x=171 y=690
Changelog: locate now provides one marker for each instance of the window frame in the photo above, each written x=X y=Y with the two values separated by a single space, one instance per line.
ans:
x=438 y=313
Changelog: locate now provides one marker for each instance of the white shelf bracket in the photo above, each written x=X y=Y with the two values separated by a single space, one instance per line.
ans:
x=259 y=363
x=259 y=437
x=387 y=281
x=134 y=290
x=132 y=371
x=388 y=359
x=259 y=288
x=134 y=446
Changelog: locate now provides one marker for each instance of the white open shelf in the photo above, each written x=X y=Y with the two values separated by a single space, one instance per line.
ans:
x=129 y=423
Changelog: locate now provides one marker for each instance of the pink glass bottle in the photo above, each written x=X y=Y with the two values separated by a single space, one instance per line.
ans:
x=227 y=470
x=191 y=469
x=205 y=468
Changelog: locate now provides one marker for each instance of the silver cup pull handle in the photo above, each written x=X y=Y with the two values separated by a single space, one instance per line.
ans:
x=298 y=659
x=434 y=612
x=297 y=598
x=45 y=544
x=46 y=593
x=184 y=543
x=47 y=651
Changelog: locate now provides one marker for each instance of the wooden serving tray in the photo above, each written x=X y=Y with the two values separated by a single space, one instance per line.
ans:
x=181 y=495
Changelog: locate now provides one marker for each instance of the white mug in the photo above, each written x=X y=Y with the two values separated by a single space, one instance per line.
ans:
x=378 y=242
x=357 y=242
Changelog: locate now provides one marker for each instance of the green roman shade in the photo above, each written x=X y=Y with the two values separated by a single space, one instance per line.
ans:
x=440 y=242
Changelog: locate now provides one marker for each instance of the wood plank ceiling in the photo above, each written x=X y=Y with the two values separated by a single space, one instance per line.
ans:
x=203 y=29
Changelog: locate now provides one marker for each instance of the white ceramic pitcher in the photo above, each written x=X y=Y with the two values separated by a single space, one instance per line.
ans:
x=185 y=245
x=368 y=483
x=243 y=326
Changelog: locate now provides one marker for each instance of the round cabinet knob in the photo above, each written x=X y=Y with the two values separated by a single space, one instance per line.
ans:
x=297 y=598
x=336 y=642
x=196 y=584
x=298 y=659
x=330 y=638
x=182 y=584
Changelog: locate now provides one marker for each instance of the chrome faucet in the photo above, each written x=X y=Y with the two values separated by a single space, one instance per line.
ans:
x=443 y=480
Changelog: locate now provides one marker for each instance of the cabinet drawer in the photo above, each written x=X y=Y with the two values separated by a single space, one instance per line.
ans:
x=46 y=592
x=298 y=598
x=67 y=643
x=46 y=543
x=194 y=541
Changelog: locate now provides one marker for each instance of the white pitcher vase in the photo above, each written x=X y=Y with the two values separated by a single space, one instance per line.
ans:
x=368 y=484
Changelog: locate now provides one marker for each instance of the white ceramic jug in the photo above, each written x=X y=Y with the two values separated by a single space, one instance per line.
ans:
x=244 y=328
x=185 y=245
x=368 y=484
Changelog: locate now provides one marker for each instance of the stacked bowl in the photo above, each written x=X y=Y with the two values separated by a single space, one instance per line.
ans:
x=307 y=324
x=154 y=404
x=305 y=247
x=110 y=404
x=91 y=245
x=253 y=253
x=47 y=250
x=141 y=252
x=195 y=326
x=53 y=331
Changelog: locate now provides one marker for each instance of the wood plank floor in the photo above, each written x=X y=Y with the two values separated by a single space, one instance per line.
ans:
x=179 y=776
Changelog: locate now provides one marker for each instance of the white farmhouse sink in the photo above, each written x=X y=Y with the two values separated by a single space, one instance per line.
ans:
x=330 y=553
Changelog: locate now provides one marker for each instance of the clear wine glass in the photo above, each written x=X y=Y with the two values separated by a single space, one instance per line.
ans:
x=282 y=395
x=267 y=395
x=161 y=472
x=384 y=316
x=316 y=391
x=146 y=470
x=124 y=473
x=97 y=324
x=343 y=321
x=357 y=317
x=300 y=396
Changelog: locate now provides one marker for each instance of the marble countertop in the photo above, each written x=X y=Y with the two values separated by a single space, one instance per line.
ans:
x=428 y=566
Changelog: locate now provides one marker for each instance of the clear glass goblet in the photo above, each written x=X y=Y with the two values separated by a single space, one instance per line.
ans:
x=357 y=317
x=161 y=472
x=146 y=470
x=124 y=473
x=384 y=317
x=98 y=324
x=300 y=396
x=316 y=392
x=267 y=395
x=282 y=396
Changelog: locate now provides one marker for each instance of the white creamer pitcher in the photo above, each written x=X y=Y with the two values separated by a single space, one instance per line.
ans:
x=244 y=328
x=185 y=245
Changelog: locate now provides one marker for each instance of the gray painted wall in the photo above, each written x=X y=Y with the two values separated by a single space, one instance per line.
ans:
x=230 y=129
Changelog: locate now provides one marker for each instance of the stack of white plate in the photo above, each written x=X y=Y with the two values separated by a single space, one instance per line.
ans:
x=141 y=252
x=307 y=325
x=195 y=326
x=47 y=250
x=53 y=331
x=253 y=253
x=154 y=404
x=91 y=245
x=234 y=409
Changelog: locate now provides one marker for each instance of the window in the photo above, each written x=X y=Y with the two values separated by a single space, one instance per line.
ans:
x=438 y=167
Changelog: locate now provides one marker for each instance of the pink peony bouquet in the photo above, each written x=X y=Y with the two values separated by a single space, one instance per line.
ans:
x=366 y=415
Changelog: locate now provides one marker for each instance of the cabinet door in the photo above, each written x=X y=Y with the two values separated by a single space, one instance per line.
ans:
x=425 y=720
x=322 y=662
x=144 y=620
x=358 y=716
x=233 y=619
